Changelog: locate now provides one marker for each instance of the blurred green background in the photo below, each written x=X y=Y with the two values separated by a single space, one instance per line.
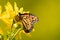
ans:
x=48 y=12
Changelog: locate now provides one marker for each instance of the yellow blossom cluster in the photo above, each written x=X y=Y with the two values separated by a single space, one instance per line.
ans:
x=9 y=13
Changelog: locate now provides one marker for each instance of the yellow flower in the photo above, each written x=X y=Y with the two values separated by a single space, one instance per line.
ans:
x=8 y=15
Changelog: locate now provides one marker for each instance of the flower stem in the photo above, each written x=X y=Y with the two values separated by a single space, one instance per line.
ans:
x=13 y=34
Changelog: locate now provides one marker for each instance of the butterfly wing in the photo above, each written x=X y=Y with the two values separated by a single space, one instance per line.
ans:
x=27 y=25
x=28 y=20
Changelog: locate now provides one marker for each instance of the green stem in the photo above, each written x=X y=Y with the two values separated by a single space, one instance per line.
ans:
x=13 y=34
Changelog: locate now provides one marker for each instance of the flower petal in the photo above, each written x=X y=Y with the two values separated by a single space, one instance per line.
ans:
x=21 y=10
x=15 y=8
x=9 y=7
x=26 y=12
x=4 y=15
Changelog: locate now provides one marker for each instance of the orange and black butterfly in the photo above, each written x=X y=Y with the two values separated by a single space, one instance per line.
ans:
x=27 y=20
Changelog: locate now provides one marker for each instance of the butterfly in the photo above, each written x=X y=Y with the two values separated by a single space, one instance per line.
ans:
x=28 y=21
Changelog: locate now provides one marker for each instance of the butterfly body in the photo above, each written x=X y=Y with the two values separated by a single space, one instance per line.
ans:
x=27 y=20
